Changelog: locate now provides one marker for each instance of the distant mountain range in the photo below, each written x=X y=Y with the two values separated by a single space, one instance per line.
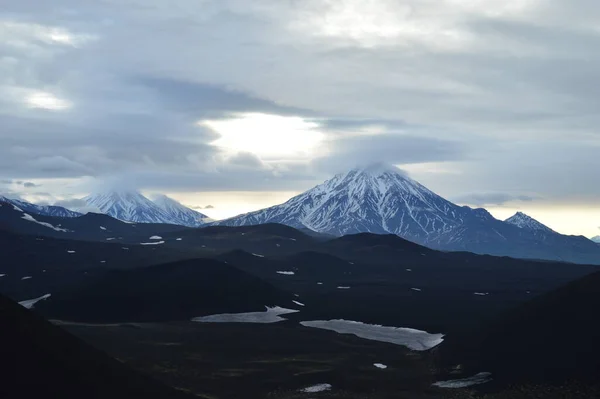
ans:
x=596 y=239
x=129 y=206
x=376 y=199
x=381 y=199
x=46 y=210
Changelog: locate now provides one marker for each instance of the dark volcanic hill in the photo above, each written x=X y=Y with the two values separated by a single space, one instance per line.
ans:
x=43 y=361
x=551 y=339
x=174 y=291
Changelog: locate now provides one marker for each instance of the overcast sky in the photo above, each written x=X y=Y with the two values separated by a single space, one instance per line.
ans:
x=240 y=104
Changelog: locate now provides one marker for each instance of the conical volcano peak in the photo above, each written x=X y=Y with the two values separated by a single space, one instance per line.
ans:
x=525 y=221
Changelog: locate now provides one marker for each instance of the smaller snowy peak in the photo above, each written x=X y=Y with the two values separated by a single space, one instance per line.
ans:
x=178 y=212
x=526 y=222
x=132 y=206
x=596 y=239
x=129 y=206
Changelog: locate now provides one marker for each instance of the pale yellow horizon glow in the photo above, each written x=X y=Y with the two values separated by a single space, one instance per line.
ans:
x=232 y=203
x=270 y=137
x=581 y=220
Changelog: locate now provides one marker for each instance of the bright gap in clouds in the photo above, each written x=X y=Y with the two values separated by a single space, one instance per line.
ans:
x=271 y=137
x=45 y=100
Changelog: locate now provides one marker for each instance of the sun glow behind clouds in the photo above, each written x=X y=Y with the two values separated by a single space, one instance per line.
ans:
x=45 y=100
x=271 y=137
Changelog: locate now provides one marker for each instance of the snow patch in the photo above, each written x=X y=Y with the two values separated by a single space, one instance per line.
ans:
x=298 y=303
x=413 y=339
x=71 y=252
x=260 y=256
x=380 y=366
x=152 y=243
x=178 y=239
x=26 y=278
x=317 y=388
x=102 y=228
x=155 y=238
x=110 y=239
x=271 y=315
x=319 y=283
x=342 y=287
x=287 y=273
x=29 y=303
x=30 y=218
x=481 y=293
x=416 y=289
x=2 y=275
x=477 y=379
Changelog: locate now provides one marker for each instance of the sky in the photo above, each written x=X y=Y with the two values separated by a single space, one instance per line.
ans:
x=236 y=105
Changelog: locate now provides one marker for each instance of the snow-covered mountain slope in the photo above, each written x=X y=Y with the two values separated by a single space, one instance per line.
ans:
x=381 y=199
x=376 y=199
x=596 y=239
x=524 y=221
x=180 y=213
x=132 y=206
x=46 y=210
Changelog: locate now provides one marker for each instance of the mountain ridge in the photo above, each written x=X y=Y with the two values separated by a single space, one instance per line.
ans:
x=384 y=200
x=133 y=206
x=46 y=210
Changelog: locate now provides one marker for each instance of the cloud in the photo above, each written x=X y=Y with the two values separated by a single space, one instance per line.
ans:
x=29 y=184
x=351 y=150
x=487 y=90
x=486 y=199
x=76 y=204
x=203 y=207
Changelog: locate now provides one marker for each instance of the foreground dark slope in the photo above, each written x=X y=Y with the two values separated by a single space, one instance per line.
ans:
x=551 y=339
x=43 y=361
x=173 y=291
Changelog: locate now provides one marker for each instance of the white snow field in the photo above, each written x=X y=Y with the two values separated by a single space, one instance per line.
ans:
x=317 y=388
x=480 y=378
x=29 y=303
x=271 y=315
x=416 y=340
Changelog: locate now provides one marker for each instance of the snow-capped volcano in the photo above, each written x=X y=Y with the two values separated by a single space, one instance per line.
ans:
x=524 y=221
x=180 y=213
x=382 y=199
x=46 y=210
x=132 y=206
x=377 y=199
